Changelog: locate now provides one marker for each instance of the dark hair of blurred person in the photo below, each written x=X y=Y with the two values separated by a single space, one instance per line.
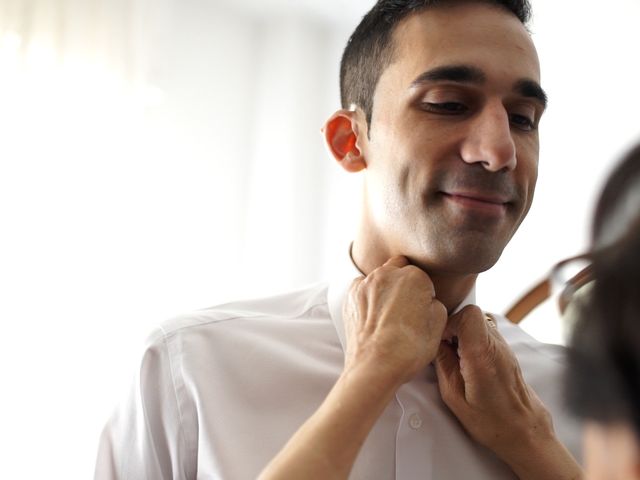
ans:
x=603 y=379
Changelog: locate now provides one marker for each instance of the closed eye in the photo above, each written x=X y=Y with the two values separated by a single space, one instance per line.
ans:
x=445 y=108
x=522 y=122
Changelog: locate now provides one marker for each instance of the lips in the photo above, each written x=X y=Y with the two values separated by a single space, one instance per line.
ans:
x=481 y=202
x=483 y=197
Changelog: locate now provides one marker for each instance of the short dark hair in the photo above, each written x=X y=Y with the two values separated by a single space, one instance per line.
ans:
x=370 y=49
x=603 y=375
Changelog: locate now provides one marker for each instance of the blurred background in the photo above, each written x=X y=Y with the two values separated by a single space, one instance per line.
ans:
x=161 y=156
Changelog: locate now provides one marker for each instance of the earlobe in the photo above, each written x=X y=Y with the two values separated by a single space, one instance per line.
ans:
x=341 y=136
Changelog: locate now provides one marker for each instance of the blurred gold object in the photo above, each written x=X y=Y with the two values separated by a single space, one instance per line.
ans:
x=566 y=278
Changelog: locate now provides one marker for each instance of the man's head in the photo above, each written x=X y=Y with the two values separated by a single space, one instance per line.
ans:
x=447 y=133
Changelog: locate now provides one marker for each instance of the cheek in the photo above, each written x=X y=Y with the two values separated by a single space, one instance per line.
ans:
x=595 y=454
x=399 y=192
x=608 y=453
x=531 y=178
x=528 y=172
x=401 y=167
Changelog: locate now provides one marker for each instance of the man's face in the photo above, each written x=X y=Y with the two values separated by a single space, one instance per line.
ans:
x=453 y=148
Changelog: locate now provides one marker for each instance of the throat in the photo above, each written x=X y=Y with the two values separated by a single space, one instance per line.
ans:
x=454 y=290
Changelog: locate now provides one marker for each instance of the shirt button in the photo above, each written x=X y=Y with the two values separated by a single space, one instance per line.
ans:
x=415 y=421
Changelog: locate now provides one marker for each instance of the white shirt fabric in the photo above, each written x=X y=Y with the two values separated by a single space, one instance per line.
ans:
x=220 y=391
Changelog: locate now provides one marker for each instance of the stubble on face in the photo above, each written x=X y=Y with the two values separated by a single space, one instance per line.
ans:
x=474 y=241
x=414 y=157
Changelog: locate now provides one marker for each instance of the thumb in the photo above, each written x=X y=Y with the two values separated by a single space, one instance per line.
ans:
x=398 y=261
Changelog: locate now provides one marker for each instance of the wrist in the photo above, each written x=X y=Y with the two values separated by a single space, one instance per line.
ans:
x=543 y=457
x=344 y=420
x=386 y=367
x=373 y=376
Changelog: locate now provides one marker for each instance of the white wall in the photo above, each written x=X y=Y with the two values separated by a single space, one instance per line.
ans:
x=159 y=156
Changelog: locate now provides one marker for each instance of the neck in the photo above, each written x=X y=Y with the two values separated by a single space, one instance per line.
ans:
x=451 y=288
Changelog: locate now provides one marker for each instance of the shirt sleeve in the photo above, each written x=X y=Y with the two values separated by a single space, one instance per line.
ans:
x=144 y=439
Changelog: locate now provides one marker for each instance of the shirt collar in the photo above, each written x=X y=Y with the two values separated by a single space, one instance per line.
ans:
x=341 y=280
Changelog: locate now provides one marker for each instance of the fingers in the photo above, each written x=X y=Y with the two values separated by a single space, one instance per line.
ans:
x=356 y=283
x=470 y=327
x=392 y=318
x=450 y=380
x=355 y=304
x=397 y=268
x=491 y=322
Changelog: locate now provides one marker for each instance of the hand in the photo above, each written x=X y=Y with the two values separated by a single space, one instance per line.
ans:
x=481 y=382
x=394 y=326
x=393 y=321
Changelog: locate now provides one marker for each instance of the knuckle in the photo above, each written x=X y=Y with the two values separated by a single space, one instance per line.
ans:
x=446 y=392
x=438 y=313
x=378 y=273
x=356 y=286
x=372 y=282
x=439 y=306
x=419 y=277
x=450 y=398
x=472 y=312
x=489 y=361
x=416 y=273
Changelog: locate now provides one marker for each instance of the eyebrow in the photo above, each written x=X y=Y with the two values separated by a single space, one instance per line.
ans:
x=468 y=74
x=451 y=73
x=531 y=89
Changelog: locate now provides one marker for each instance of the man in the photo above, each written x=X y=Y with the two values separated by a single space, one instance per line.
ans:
x=441 y=104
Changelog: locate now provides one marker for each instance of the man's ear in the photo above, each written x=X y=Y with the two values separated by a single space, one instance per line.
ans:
x=341 y=135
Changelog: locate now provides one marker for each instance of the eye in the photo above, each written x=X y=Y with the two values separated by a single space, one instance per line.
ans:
x=445 y=108
x=522 y=122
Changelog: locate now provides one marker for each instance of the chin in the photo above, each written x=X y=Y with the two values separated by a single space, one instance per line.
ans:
x=471 y=264
x=460 y=257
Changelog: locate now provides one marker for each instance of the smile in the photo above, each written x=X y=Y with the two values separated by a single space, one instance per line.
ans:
x=479 y=203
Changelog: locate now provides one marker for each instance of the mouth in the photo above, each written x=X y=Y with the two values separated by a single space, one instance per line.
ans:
x=480 y=202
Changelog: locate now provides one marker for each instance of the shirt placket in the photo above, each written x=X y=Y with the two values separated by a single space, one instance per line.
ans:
x=414 y=440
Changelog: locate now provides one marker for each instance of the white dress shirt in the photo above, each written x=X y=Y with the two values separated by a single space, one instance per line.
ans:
x=220 y=391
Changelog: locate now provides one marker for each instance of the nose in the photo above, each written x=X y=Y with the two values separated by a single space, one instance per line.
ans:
x=490 y=142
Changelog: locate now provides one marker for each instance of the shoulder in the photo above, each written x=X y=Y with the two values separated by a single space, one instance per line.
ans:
x=248 y=315
x=192 y=350
x=524 y=345
x=294 y=304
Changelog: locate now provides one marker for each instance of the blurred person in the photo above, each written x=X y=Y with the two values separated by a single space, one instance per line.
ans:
x=603 y=377
x=441 y=102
